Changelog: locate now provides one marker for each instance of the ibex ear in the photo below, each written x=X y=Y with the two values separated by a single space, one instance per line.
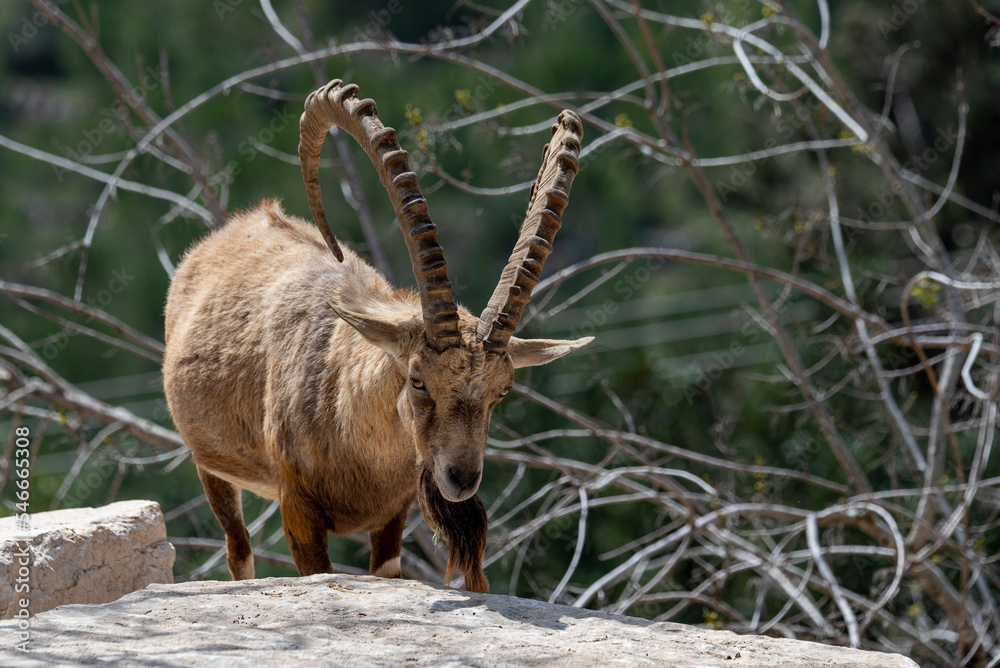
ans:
x=535 y=352
x=393 y=337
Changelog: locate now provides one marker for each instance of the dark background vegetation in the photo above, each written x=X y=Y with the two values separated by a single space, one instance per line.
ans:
x=669 y=329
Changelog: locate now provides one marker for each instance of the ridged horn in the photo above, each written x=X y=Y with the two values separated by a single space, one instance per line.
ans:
x=546 y=202
x=338 y=104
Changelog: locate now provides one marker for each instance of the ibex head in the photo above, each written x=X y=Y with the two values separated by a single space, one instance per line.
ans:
x=458 y=369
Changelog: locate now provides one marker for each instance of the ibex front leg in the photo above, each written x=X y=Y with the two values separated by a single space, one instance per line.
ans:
x=387 y=543
x=306 y=531
x=224 y=498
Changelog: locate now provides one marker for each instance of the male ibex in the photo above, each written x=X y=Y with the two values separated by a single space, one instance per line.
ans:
x=316 y=382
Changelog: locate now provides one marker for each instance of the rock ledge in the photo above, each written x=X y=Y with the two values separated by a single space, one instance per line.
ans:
x=83 y=555
x=341 y=619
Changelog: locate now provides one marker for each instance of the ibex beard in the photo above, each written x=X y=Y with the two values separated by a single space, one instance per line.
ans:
x=293 y=369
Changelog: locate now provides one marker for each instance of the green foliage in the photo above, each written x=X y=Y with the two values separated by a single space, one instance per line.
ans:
x=675 y=342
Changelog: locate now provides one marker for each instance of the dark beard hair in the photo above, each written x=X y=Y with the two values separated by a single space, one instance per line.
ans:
x=464 y=526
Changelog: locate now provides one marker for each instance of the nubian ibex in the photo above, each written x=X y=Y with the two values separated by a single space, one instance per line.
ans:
x=304 y=376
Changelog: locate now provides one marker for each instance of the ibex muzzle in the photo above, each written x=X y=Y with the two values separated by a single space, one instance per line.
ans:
x=306 y=377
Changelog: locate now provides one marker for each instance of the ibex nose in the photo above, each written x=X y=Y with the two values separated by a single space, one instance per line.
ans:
x=462 y=480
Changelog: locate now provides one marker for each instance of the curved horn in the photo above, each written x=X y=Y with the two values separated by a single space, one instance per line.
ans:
x=338 y=104
x=549 y=197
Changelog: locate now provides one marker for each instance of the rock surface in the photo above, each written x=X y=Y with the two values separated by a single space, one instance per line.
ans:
x=84 y=555
x=325 y=620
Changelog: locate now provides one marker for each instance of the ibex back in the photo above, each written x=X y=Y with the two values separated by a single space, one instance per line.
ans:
x=293 y=369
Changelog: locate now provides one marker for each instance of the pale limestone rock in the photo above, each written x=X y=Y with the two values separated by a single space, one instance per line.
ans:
x=84 y=555
x=343 y=620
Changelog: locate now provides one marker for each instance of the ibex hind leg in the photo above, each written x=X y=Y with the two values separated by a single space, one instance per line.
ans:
x=224 y=498
x=306 y=531
x=387 y=543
